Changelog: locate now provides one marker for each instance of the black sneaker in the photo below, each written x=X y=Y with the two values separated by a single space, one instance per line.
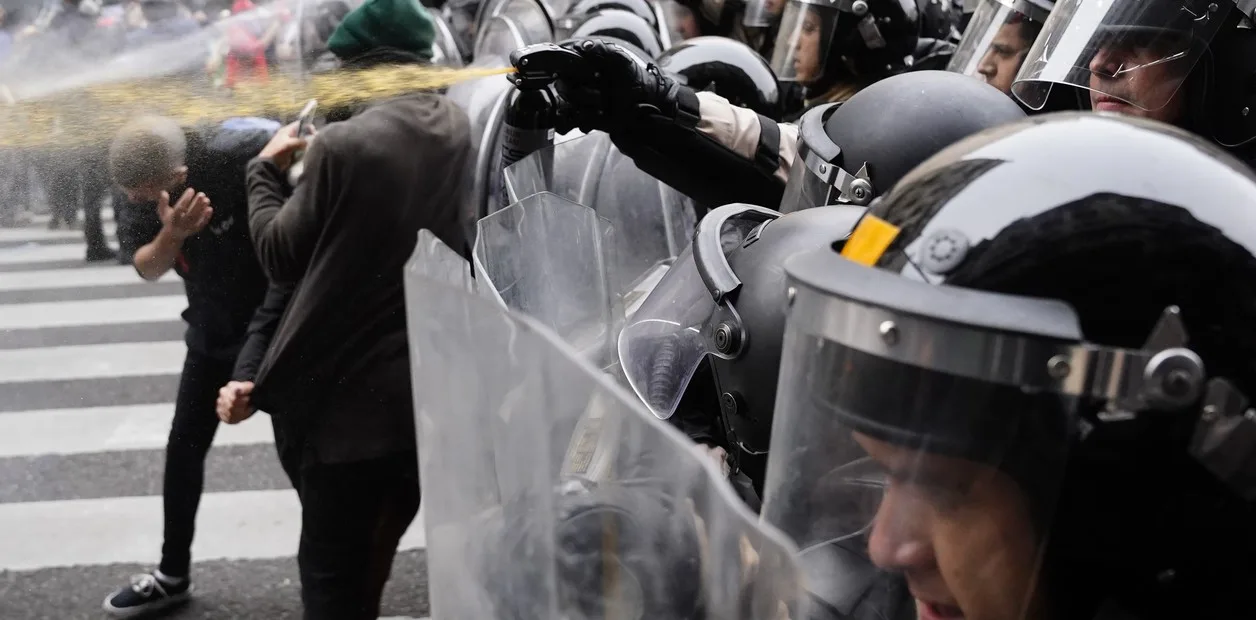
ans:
x=147 y=594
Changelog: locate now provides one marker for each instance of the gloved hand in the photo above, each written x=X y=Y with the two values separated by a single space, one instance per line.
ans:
x=616 y=92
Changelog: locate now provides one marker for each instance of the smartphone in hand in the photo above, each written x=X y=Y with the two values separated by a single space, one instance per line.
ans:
x=305 y=128
x=305 y=122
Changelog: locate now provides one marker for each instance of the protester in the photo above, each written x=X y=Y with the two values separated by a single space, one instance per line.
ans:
x=188 y=213
x=337 y=374
x=235 y=402
x=163 y=20
x=248 y=36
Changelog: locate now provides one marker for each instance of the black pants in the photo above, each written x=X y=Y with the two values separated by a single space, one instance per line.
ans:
x=353 y=517
x=75 y=183
x=14 y=186
x=191 y=435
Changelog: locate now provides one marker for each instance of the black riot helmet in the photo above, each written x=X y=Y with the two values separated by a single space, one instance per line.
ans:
x=581 y=9
x=824 y=43
x=1022 y=381
x=620 y=26
x=854 y=151
x=722 y=298
x=1191 y=63
x=729 y=68
x=998 y=39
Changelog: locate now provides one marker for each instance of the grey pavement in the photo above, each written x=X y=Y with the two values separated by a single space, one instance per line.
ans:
x=82 y=454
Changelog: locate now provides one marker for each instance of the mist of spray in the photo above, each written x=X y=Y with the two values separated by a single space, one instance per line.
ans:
x=51 y=107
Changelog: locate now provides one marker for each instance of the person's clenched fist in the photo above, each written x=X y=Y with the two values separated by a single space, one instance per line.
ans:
x=234 y=404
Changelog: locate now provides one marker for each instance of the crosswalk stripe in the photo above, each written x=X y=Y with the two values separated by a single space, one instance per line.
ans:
x=43 y=235
x=239 y=525
x=105 y=429
x=91 y=361
x=35 y=253
x=91 y=313
x=112 y=275
x=90 y=357
x=106 y=216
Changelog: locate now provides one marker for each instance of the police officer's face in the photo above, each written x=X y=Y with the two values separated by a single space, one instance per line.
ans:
x=1004 y=57
x=807 y=49
x=1122 y=73
x=959 y=532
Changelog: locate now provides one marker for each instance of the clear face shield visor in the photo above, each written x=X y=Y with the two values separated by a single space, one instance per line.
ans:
x=997 y=39
x=762 y=13
x=804 y=39
x=919 y=429
x=690 y=313
x=823 y=178
x=1125 y=52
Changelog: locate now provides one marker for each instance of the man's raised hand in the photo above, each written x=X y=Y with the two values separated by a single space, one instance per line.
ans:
x=188 y=216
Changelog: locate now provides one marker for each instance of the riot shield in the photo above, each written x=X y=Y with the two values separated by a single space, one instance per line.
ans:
x=549 y=258
x=507 y=25
x=652 y=221
x=549 y=492
x=433 y=260
x=484 y=100
x=445 y=49
x=460 y=16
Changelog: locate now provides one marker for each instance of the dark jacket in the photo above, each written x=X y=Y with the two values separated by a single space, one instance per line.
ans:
x=261 y=330
x=222 y=277
x=339 y=359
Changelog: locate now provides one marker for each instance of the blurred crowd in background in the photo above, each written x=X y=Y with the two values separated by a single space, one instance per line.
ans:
x=236 y=41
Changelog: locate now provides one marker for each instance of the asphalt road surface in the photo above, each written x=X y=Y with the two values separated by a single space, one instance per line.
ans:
x=89 y=363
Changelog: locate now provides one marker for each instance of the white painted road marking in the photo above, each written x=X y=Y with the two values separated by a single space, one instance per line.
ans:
x=109 y=429
x=94 y=361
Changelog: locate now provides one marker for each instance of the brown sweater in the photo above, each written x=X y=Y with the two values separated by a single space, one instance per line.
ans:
x=337 y=370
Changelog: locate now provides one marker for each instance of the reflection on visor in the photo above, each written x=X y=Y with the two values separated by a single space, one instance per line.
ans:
x=856 y=490
x=1131 y=55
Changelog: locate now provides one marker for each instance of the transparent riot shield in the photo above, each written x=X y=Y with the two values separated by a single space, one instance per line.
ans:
x=433 y=260
x=445 y=49
x=484 y=100
x=550 y=492
x=506 y=25
x=550 y=258
x=652 y=221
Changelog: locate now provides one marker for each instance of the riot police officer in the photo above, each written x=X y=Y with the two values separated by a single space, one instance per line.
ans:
x=1186 y=63
x=833 y=48
x=1022 y=382
x=998 y=38
x=718 y=153
x=727 y=298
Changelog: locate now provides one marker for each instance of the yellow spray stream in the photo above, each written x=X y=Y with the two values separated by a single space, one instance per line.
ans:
x=91 y=116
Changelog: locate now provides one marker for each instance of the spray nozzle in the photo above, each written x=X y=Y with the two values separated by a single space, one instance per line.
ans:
x=538 y=66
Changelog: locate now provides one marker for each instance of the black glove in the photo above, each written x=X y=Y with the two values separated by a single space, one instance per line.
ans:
x=617 y=92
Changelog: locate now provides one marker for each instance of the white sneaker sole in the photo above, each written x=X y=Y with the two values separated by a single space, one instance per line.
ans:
x=135 y=612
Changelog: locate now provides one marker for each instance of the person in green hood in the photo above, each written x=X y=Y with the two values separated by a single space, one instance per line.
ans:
x=336 y=375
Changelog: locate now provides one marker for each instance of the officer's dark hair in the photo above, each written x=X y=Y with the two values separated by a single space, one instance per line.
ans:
x=1028 y=30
